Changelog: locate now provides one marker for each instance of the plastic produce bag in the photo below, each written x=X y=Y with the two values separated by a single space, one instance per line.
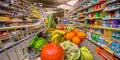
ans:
x=85 y=54
x=71 y=50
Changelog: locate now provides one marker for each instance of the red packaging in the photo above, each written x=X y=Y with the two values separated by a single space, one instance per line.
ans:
x=105 y=55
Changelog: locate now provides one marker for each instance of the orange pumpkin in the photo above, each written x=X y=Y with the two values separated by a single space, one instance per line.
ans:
x=76 y=40
x=70 y=35
x=81 y=35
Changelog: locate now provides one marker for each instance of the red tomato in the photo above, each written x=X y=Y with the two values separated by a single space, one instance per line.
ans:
x=52 y=52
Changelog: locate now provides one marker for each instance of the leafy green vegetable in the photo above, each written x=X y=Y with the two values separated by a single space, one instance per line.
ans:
x=85 y=54
x=37 y=42
x=35 y=38
x=71 y=50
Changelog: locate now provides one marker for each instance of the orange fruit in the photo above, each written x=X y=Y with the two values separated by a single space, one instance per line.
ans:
x=69 y=35
x=67 y=32
x=76 y=40
x=81 y=35
x=76 y=31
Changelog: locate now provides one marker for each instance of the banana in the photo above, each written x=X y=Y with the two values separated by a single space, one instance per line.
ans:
x=62 y=39
x=61 y=32
x=58 y=40
x=58 y=32
x=55 y=37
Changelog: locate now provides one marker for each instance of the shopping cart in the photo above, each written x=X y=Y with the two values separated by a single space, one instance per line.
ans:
x=16 y=50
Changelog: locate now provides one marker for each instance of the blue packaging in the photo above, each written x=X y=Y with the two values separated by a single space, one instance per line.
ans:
x=117 y=35
x=113 y=46
x=101 y=40
x=118 y=49
x=95 y=0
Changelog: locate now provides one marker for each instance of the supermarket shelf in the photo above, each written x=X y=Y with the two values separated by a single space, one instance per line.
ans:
x=16 y=27
x=12 y=35
x=5 y=21
x=111 y=2
x=111 y=9
x=79 y=25
x=20 y=6
x=111 y=39
x=93 y=18
x=82 y=16
x=110 y=18
x=90 y=5
x=5 y=7
x=79 y=20
x=114 y=54
x=101 y=27
x=5 y=37
x=15 y=21
x=107 y=37
x=21 y=21
x=4 y=12
x=9 y=8
x=16 y=43
x=79 y=15
x=93 y=11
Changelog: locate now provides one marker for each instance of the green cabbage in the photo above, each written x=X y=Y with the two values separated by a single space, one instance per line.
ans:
x=72 y=51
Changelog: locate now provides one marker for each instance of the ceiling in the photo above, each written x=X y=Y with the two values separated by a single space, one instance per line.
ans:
x=47 y=3
x=51 y=5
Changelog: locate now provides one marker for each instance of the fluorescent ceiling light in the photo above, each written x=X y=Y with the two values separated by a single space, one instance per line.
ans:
x=64 y=6
x=72 y=2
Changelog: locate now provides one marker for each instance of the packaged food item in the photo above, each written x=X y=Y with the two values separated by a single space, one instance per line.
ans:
x=101 y=41
x=117 y=14
x=95 y=37
x=118 y=49
x=116 y=35
x=104 y=55
x=113 y=46
x=107 y=33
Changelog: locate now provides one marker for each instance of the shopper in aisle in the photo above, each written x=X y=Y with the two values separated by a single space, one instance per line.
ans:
x=54 y=22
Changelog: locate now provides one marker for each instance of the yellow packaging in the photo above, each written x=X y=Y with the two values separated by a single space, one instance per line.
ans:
x=107 y=33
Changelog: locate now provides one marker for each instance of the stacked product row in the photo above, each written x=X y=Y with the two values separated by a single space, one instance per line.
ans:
x=101 y=22
x=15 y=10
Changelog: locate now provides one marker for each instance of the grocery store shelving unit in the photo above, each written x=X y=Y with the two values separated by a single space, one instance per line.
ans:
x=22 y=36
x=101 y=27
x=86 y=27
x=18 y=33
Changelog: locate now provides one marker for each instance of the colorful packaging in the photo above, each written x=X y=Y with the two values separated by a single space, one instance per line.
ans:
x=113 y=46
x=107 y=33
x=118 y=49
x=101 y=41
x=95 y=37
x=117 y=14
x=104 y=55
